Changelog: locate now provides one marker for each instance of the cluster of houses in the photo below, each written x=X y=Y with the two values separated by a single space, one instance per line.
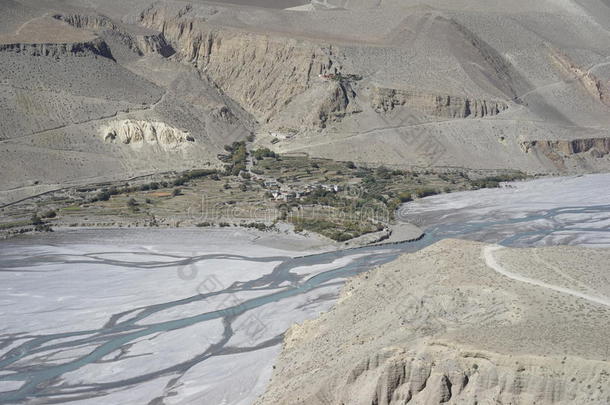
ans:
x=284 y=192
x=281 y=192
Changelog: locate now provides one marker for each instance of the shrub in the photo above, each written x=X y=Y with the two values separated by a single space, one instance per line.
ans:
x=132 y=204
x=494 y=181
x=383 y=172
x=405 y=196
x=176 y=192
x=236 y=169
x=259 y=226
x=103 y=195
x=262 y=153
x=425 y=192
x=35 y=220
x=43 y=228
x=179 y=181
x=198 y=173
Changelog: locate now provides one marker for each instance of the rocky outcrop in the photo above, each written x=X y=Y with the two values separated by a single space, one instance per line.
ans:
x=325 y=103
x=338 y=103
x=446 y=106
x=96 y=47
x=592 y=85
x=559 y=152
x=88 y=21
x=441 y=327
x=137 y=133
x=440 y=374
x=140 y=43
x=596 y=146
x=262 y=72
x=147 y=44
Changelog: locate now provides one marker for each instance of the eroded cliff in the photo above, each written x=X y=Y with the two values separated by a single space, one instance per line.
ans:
x=137 y=133
x=95 y=47
x=262 y=72
x=139 y=41
x=441 y=326
x=445 y=106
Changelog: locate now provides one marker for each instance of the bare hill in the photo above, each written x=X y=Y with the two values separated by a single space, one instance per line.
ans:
x=469 y=83
x=458 y=322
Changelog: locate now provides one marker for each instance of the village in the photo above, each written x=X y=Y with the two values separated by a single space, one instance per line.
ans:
x=290 y=192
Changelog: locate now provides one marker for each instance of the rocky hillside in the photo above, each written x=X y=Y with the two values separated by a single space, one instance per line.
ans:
x=442 y=326
x=466 y=84
x=439 y=74
x=96 y=47
x=446 y=106
x=87 y=97
x=262 y=72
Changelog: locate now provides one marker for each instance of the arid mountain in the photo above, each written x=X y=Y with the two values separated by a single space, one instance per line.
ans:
x=467 y=83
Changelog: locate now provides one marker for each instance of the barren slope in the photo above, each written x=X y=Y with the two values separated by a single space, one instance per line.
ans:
x=69 y=74
x=469 y=83
x=458 y=322
x=475 y=85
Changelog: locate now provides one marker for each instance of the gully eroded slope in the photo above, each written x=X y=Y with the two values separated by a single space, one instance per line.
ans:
x=442 y=326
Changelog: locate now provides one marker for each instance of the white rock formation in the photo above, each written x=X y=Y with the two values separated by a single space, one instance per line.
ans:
x=136 y=133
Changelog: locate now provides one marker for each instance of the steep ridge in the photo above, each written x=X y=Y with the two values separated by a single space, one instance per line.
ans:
x=484 y=64
x=142 y=43
x=282 y=80
x=321 y=105
x=593 y=85
x=385 y=100
x=262 y=72
x=439 y=373
x=96 y=47
x=473 y=79
x=88 y=21
x=561 y=152
x=598 y=146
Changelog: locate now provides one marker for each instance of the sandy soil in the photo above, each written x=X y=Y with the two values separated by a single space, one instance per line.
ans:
x=46 y=30
x=414 y=328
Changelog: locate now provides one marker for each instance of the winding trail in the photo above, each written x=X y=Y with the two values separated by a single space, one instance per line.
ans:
x=491 y=262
